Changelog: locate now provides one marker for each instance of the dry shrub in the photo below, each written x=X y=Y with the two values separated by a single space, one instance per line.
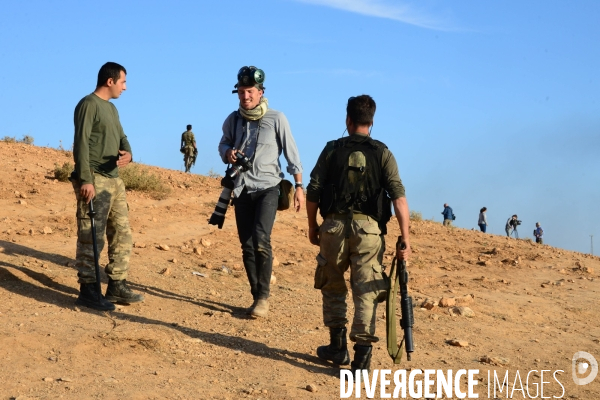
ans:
x=26 y=139
x=416 y=216
x=9 y=139
x=140 y=179
x=63 y=173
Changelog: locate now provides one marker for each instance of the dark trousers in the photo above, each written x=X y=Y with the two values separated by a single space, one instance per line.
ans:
x=255 y=215
x=482 y=227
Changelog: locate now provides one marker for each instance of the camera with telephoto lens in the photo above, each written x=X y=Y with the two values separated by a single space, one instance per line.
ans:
x=242 y=164
x=517 y=222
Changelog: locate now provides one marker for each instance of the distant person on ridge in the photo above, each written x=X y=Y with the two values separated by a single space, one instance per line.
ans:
x=511 y=226
x=261 y=134
x=482 y=219
x=354 y=184
x=448 y=215
x=538 y=233
x=188 y=148
x=100 y=148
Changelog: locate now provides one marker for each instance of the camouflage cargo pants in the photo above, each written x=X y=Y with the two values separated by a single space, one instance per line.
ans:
x=111 y=219
x=362 y=252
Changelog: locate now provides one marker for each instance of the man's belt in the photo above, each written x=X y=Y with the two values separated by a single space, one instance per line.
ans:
x=344 y=217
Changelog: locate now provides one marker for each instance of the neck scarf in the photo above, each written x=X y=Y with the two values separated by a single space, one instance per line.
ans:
x=257 y=112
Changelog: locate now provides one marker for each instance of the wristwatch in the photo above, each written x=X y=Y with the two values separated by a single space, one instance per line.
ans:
x=299 y=185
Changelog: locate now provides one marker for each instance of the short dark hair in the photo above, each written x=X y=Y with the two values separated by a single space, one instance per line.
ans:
x=189 y=127
x=110 y=70
x=361 y=109
x=483 y=209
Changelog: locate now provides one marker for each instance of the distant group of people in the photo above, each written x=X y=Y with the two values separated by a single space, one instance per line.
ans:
x=510 y=227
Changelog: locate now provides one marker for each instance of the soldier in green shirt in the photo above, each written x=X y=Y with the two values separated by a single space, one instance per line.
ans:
x=188 y=148
x=354 y=185
x=100 y=148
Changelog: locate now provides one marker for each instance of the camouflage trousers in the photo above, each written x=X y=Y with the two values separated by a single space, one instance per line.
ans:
x=111 y=220
x=361 y=252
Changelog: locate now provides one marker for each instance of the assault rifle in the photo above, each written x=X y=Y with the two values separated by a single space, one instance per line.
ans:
x=399 y=277
x=92 y=214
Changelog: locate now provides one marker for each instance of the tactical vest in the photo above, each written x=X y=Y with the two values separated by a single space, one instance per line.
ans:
x=354 y=180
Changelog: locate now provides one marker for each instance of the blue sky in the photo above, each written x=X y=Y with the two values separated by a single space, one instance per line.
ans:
x=490 y=104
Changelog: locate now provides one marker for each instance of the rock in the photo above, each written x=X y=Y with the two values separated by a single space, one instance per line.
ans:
x=462 y=311
x=311 y=388
x=47 y=379
x=467 y=299
x=174 y=261
x=458 y=343
x=225 y=269
x=65 y=379
x=447 y=302
x=237 y=267
x=273 y=279
x=197 y=250
x=587 y=270
x=31 y=231
x=47 y=230
x=275 y=262
x=22 y=202
x=165 y=271
x=428 y=304
x=205 y=242
x=500 y=361
x=70 y=264
x=434 y=317
x=139 y=245
x=194 y=241
x=1 y=249
x=163 y=247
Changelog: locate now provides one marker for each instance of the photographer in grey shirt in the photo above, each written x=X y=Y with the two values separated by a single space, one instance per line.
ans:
x=261 y=134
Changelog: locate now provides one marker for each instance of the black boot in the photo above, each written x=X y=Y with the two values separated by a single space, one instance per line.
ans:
x=118 y=292
x=88 y=296
x=362 y=358
x=337 y=350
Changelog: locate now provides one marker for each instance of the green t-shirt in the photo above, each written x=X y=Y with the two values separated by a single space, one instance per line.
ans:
x=187 y=138
x=98 y=138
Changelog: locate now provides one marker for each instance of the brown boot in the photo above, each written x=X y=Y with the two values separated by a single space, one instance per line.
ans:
x=261 y=309
x=249 y=310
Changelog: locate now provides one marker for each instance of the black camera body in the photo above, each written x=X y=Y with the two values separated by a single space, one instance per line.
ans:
x=242 y=164
x=518 y=222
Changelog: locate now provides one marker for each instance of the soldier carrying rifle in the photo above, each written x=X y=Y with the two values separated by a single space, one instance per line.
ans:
x=354 y=184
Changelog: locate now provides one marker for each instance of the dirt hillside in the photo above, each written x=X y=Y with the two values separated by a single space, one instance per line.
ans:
x=529 y=307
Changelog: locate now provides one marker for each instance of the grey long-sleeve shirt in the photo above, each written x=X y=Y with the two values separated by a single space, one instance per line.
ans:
x=275 y=137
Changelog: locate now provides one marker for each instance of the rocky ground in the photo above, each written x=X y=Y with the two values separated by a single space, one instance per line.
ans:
x=482 y=302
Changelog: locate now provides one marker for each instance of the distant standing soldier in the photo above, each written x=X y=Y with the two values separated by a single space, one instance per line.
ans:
x=350 y=184
x=100 y=148
x=188 y=148
x=538 y=233
x=448 y=215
